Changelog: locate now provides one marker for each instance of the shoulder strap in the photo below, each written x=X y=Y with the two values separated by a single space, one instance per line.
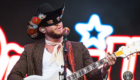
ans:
x=70 y=55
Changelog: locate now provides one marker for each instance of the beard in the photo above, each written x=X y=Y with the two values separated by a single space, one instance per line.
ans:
x=52 y=34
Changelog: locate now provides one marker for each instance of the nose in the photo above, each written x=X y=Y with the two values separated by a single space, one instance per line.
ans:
x=58 y=24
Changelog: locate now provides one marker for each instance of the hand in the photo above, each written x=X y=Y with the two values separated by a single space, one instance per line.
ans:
x=110 y=60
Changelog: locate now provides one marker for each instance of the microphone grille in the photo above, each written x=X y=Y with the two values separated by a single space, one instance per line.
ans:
x=66 y=31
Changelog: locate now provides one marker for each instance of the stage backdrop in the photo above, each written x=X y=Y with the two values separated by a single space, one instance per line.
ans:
x=102 y=25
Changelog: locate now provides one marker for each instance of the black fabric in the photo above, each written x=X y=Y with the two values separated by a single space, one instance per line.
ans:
x=44 y=8
x=50 y=13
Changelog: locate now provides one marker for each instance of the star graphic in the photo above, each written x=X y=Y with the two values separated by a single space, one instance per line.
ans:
x=94 y=24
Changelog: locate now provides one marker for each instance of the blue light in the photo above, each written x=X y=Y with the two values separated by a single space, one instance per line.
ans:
x=94 y=24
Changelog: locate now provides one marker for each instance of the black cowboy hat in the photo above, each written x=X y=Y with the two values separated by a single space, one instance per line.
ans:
x=46 y=16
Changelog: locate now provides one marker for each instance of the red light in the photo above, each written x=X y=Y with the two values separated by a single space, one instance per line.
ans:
x=7 y=62
x=5 y=48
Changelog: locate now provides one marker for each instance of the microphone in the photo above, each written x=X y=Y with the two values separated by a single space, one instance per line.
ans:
x=66 y=31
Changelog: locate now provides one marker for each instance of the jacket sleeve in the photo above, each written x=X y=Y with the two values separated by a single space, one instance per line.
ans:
x=87 y=60
x=20 y=69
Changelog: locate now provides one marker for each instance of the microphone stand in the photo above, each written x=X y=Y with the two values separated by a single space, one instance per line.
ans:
x=65 y=55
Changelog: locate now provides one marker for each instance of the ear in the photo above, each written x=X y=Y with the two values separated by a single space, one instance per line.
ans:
x=42 y=29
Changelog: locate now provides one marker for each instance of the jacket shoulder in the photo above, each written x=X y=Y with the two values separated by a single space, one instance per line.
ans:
x=32 y=46
x=74 y=43
x=77 y=45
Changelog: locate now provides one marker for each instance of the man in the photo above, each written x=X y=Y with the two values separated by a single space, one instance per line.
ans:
x=43 y=57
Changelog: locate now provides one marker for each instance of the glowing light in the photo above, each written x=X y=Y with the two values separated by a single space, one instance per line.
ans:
x=127 y=65
x=94 y=23
x=4 y=57
x=7 y=62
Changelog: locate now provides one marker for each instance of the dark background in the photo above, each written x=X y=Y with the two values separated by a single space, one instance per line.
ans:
x=123 y=15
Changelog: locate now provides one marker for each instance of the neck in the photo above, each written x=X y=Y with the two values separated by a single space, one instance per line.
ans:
x=54 y=40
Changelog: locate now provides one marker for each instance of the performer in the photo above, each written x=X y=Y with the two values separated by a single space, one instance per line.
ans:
x=42 y=57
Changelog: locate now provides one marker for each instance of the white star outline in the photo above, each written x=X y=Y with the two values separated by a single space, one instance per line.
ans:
x=94 y=23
